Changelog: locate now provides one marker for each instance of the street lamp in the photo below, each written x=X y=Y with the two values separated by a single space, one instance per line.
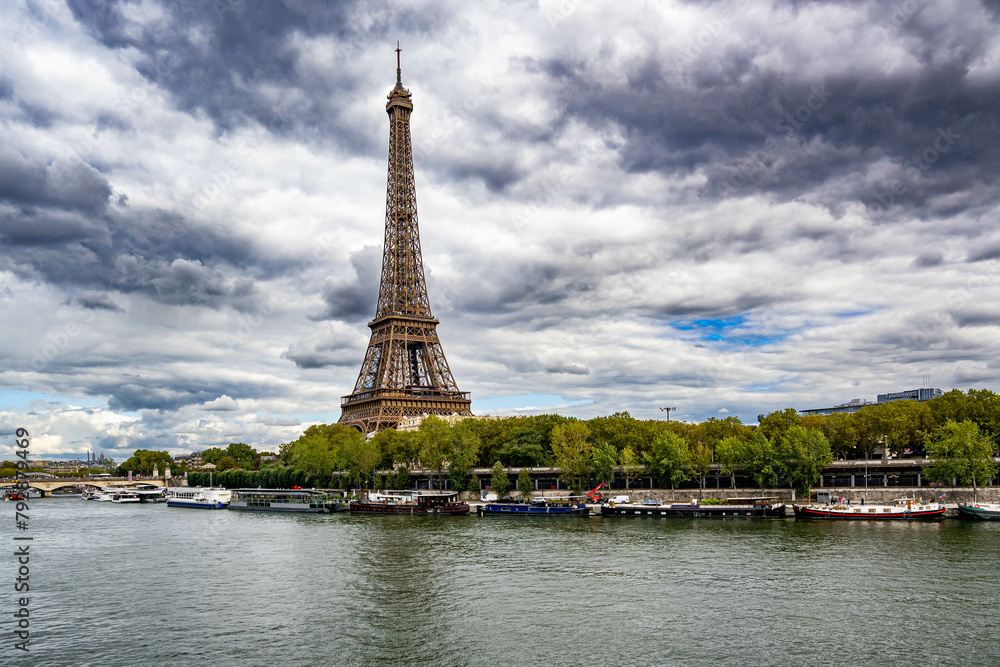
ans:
x=667 y=410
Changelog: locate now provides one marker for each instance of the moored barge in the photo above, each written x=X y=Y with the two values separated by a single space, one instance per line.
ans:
x=980 y=511
x=288 y=500
x=411 y=502
x=545 y=506
x=903 y=509
x=737 y=508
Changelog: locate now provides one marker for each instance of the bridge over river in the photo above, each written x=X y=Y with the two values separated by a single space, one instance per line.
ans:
x=45 y=486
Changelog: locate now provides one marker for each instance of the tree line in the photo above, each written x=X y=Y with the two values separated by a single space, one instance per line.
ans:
x=958 y=431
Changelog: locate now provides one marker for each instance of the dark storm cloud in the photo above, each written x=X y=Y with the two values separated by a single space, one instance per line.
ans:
x=985 y=253
x=512 y=287
x=570 y=369
x=353 y=299
x=928 y=259
x=134 y=393
x=97 y=301
x=220 y=57
x=72 y=186
x=331 y=351
x=59 y=217
x=754 y=130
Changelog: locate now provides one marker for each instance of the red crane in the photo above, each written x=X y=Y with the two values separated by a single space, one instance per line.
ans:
x=598 y=497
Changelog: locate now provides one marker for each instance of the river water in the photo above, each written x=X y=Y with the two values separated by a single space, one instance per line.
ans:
x=151 y=585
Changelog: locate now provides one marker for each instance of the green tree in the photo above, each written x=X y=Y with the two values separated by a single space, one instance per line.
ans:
x=463 y=453
x=314 y=454
x=802 y=456
x=669 y=459
x=761 y=460
x=571 y=450
x=244 y=455
x=604 y=457
x=731 y=453
x=398 y=447
x=897 y=426
x=629 y=462
x=524 y=484
x=500 y=481
x=776 y=424
x=980 y=406
x=361 y=456
x=842 y=433
x=472 y=485
x=434 y=444
x=961 y=452
x=713 y=430
x=701 y=461
x=621 y=430
x=400 y=479
x=225 y=463
x=143 y=461
x=212 y=455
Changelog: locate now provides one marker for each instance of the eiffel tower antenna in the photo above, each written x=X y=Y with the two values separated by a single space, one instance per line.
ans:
x=399 y=71
x=404 y=373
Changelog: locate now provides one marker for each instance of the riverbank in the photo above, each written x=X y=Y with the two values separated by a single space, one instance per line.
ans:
x=874 y=495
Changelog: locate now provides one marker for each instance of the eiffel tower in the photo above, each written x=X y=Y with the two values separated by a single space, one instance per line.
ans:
x=404 y=373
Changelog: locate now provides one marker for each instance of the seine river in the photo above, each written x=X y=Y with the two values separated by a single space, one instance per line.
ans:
x=150 y=585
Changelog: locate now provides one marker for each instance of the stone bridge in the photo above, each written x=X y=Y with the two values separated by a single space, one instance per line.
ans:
x=45 y=486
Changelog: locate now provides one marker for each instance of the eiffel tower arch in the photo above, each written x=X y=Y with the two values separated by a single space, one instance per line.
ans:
x=404 y=373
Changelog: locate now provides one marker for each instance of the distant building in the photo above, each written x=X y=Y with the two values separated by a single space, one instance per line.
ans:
x=921 y=395
x=193 y=460
x=856 y=404
x=413 y=423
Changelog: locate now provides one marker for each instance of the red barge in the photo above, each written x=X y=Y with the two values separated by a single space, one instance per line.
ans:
x=903 y=509
x=410 y=502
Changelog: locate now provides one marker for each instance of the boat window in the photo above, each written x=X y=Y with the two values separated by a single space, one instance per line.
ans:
x=886 y=509
x=872 y=510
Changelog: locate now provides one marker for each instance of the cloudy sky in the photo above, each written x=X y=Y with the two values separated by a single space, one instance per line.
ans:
x=727 y=207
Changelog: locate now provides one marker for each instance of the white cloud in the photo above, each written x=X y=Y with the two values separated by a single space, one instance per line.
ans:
x=573 y=242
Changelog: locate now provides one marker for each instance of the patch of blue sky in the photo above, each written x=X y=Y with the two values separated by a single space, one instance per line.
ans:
x=767 y=386
x=733 y=331
x=12 y=399
x=854 y=313
x=717 y=324
x=748 y=340
x=323 y=417
x=524 y=402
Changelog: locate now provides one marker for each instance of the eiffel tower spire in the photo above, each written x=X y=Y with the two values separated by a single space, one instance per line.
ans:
x=404 y=372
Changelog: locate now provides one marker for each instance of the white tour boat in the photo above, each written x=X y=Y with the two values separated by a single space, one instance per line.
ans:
x=200 y=497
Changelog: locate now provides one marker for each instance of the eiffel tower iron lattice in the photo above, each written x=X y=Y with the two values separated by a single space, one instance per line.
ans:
x=404 y=373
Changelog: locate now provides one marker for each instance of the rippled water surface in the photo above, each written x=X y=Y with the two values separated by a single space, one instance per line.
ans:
x=151 y=585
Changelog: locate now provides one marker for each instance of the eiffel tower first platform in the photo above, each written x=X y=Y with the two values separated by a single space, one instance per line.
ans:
x=404 y=373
